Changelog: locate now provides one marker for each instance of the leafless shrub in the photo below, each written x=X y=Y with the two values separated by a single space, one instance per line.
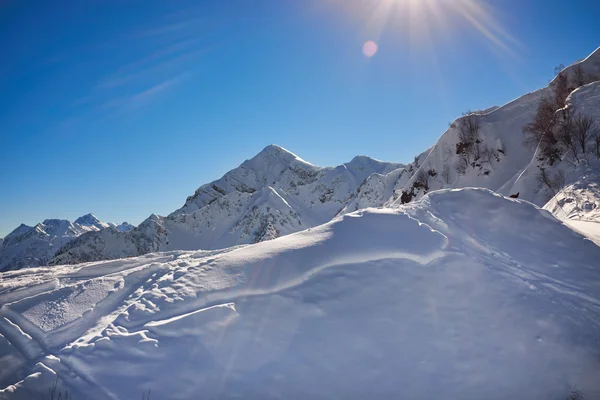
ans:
x=422 y=180
x=575 y=394
x=584 y=129
x=564 y=133
x=562 y=89
x=54 y=393
x=554 y=182
x=542 y=125
x=596 y=142
x=446 y=174
x=468 y=130
x=579 y=76
x=461 y=165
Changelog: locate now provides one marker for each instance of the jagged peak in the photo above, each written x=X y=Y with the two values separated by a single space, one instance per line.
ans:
x=87 y=219
x=364 y=160
x=275 y=151
x=19 y=229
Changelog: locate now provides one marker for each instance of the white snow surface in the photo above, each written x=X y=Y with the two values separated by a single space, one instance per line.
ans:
x=431 y=300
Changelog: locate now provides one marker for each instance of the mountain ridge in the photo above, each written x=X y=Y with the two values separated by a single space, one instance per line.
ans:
x=31 y=246
x=276 y=192
x=272 y=194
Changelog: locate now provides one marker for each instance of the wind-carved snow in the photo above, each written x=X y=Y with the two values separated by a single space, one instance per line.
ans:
x=428 y=300
x=273 y=194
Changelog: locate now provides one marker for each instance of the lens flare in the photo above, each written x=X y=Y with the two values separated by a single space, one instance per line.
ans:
x=369 y=48
x=426 y=21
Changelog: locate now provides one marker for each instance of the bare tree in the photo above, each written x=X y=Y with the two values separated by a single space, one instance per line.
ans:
x=558 y=69
x=461 y=165
x=543 y=123
x=448 y=153
x=579 y=76
x=422 y=180
x=446 y=174
x=554 y=182
x=584 y=128
x=468 y=130
x=562 y=89
x=596 y=142
x=565 y=135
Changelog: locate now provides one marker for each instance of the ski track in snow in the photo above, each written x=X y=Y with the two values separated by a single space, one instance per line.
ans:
x=228 y=319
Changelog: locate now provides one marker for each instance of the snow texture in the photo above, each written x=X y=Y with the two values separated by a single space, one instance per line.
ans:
x=429 y=300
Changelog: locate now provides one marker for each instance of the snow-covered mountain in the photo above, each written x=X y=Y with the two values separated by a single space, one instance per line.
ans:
x=31 y=246
x=273 y=194
x=277 y=193
x=486 y=149
x=464 y=294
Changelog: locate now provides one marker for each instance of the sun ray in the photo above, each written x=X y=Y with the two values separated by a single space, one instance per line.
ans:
x=430 y=21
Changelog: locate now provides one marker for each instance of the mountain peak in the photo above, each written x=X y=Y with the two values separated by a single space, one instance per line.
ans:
x=275 y=151
x=87 y=220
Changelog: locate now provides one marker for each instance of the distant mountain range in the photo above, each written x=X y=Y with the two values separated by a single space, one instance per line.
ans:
x=31 y=246
x=277 y=193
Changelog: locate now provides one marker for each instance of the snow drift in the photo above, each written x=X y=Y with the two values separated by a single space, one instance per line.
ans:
x=429 y=300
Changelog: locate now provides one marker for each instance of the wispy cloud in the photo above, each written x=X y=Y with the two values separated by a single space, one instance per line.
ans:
x=168 y=57
x=170 y=28
x=166 y=54
x=138 y=99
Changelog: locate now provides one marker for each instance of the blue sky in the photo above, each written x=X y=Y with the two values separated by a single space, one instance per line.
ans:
x=123 y=107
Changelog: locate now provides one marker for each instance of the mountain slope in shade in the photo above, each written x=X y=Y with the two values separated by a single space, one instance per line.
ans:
x=31 y=246
x=275 y=193
x=430 y=300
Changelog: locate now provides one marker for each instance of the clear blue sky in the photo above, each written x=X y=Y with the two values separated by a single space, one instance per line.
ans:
x=123 y=107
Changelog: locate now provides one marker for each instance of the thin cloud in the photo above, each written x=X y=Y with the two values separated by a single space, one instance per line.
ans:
x=141 y=98
x=164 y=55
x=146 y=64
x=169 y=28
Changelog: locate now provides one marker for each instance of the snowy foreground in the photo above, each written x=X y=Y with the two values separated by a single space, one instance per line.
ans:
x=462 y=295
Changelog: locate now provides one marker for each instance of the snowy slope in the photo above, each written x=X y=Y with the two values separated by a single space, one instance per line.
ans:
x=432 y=300
x=31 y=246
x=273 y=194
x=587 y=101
x=505 y=164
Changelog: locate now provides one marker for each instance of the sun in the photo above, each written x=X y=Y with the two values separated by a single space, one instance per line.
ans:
x=424 y=21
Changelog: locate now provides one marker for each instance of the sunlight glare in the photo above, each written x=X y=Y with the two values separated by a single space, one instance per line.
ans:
x=369 y=48
x=423 y=21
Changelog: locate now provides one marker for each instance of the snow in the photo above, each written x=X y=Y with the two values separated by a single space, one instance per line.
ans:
x=31 y=246
x=91 y=220
x=428 y=300
x=589 y=229
x=275 y=193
